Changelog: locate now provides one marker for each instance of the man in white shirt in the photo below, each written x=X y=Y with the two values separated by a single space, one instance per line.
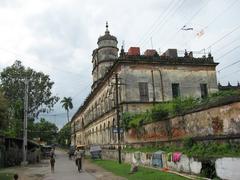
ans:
x=78 y=157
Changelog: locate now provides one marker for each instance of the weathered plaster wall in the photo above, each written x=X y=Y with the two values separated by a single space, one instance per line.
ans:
x=100 y=132
x=222 y=120
x=160 y=79
x=100 y=110
x=100 y=113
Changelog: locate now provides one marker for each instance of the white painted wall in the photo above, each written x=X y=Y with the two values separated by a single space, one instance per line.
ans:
x=181 y=166
x=228 y=168
x=195 y=166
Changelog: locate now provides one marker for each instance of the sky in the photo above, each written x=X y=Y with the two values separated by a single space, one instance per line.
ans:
x=57 y=37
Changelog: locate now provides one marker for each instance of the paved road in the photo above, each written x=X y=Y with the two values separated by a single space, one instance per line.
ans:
x=66 y=169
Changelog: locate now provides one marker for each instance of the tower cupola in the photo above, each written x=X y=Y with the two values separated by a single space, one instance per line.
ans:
x=104 y=55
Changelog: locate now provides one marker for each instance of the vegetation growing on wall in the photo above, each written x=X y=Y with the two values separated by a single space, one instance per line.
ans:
x=195 y=149
x=178 y=106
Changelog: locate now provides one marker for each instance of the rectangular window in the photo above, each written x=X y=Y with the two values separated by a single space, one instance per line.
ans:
x=175 y=90
x=204 y=90
x=143 y=91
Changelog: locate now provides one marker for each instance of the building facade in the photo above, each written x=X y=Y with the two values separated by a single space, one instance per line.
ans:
x=142 y=81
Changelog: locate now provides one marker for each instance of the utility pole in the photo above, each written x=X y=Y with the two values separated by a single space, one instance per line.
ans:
x=74 y=133
x=153 y=86
x=25 y=123
x=118 y=120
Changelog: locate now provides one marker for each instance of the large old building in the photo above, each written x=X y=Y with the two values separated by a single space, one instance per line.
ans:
x=142 y=81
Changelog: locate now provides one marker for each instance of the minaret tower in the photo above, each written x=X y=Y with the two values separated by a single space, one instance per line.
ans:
x=103 y=57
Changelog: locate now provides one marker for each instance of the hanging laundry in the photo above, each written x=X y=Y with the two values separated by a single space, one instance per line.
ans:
x=176 y=156
x=136 y=157
x=169 y=156
x=157 y=159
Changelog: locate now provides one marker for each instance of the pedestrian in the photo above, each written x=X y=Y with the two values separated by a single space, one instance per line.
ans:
x=52 y=152
x=52 y=162
x=15 y=176
x=78 y=157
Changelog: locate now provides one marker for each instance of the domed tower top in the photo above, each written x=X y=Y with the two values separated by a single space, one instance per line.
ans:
x=104 y=56
x=107 y=39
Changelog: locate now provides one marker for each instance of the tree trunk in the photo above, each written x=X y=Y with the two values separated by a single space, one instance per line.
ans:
x=68 y=116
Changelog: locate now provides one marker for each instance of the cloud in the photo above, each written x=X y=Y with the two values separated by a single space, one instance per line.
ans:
x=57 y=36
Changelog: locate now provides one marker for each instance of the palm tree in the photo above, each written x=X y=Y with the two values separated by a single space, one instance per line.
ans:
x=67 y=104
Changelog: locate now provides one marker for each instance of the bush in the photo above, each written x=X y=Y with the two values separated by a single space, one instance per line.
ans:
x=181 y=105
x=188 y=143
x=126 y=118
x=178 y=106
x=159 y=112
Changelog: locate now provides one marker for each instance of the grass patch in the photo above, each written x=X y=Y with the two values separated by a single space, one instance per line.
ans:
x=143 y=173
x=6 y=176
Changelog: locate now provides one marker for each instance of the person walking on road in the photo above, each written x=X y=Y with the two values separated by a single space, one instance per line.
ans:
x=78 y=157
x=15 y=176
x=52 y=163
x=52 y=152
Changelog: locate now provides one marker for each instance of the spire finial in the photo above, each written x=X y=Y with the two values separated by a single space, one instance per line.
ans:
x=106 y=26
x=107 y=31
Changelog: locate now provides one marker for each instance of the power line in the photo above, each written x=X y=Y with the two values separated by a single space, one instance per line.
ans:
x=201 y=8
x=171 y=15
x=155 y=22
x=81 y=91
x=163 y=22
x=225 y=67
x=226 y=45
x=54 y=115
x=230 y=74
x=228 y=52
x=221 y=13
x=190 y=19
x=220 y=39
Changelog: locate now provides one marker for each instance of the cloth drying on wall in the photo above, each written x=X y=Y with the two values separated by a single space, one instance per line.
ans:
x=136 y=158
x=176 y=156
x=169 y=156
x=157 y=159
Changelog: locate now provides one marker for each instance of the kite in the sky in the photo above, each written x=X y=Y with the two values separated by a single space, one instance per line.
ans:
x=184 y=28
x=200 y=33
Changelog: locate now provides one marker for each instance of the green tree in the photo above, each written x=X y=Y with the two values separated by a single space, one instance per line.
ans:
x=64 y=134
x=40 y=98
x=39 y=95
x=45 y=130
x=67 y=104
x=3 y=112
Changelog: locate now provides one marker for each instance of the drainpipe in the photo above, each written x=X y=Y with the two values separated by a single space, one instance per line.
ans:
x=153 y=86
x=162 y=88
